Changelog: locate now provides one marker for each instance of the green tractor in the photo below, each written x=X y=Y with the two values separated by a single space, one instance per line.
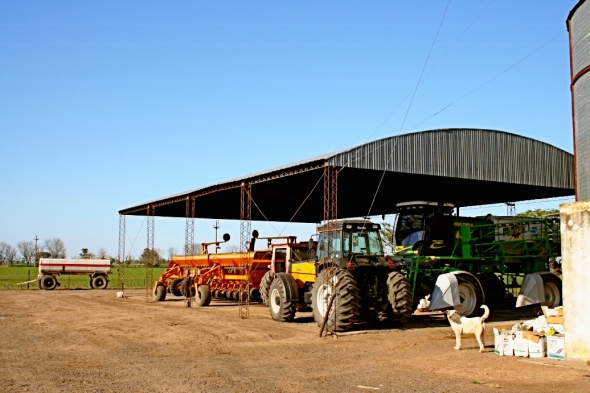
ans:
x=464 y=262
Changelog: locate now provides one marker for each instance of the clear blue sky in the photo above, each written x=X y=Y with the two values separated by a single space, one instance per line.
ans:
x=106 y=104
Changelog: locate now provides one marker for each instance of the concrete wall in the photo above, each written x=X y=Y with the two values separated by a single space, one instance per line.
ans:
x=575 y=251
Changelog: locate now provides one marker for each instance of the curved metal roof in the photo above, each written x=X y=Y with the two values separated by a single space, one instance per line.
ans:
x=463 y=166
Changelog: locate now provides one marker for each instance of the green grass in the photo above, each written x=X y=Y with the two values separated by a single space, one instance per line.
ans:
x=11 y=276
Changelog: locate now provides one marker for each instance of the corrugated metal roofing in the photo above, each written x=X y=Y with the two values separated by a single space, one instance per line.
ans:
x=463 y=166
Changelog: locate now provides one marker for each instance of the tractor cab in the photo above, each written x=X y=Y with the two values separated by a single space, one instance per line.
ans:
x=424 y=228
x=286 y=255
x=350 y=241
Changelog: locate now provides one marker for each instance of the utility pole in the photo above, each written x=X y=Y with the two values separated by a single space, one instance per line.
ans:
x=35 y=260
x=216 y=228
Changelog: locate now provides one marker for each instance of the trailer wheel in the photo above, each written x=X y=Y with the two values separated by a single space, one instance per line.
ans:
x=346 y=305
x=203 y=297
x=160 y=294
x=174 y=287
x=187 y=288
x=99 y=282
x=48 y=282
x=470 y=295
x=267 y=279
x=280 y=309
x=399 y=296
x=552 y=289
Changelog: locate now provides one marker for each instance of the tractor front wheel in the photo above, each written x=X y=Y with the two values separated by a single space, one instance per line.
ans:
x=552 y=290
x=399 y=296
x=470 y=296
x=281 y=310
x=267 y=279
x=346 y=303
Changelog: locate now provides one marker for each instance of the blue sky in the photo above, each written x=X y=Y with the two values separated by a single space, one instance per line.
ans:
x=107 y=104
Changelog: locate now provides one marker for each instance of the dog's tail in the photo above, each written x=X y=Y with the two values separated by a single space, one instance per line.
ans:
x=486 y=313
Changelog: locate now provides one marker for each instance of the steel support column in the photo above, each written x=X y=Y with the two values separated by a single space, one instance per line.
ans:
x=121 y=255
x=150 y=260
x=330 y=214
x=245 y=226
x=189 y=240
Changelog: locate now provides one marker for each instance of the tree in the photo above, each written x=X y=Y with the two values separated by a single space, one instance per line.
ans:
x=148 y=255
x=7 y=253
x=387 y=233
x=231 y=248
x=102 y=253
x=85 y=254
x=196 y=249
x=538 y=213
x=27 y=251
x=172 y=251
x=55 y=247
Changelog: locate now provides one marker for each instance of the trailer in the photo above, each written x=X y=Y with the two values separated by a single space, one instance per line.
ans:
x=97 y=269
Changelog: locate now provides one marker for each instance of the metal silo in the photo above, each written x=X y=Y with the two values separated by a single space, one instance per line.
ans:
x=578 y=25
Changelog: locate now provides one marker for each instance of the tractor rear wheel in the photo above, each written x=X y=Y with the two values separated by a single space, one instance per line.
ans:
x=346 y=304
x=203 y=297
x=174 y=287
x=187 y=288
x=280 y=309
x=267 y=279
x=399 y=296
x=160 y=294
x=470 y=296
x=552 y=290
x=99 y=282
x=48 y=282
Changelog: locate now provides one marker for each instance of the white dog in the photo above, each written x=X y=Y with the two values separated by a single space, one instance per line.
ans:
x=462 y=325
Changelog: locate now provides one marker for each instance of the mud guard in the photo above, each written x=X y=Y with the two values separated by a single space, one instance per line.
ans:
x=531 y=291
x=446 y=291
x=291 y=290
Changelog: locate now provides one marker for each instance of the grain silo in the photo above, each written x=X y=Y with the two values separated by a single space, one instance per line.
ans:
x=578 y=25
x=575 y=217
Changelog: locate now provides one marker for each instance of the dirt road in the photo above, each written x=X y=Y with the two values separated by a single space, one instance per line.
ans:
x=91 y=341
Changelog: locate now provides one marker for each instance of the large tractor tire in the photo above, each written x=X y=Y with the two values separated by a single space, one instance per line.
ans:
x=174 y=287
x=346 y=305
x=99 y=282
x=187 y=288
x=552 y=288
x=470 y=295
x=203 y=296
x=281 y=310
x=267 y=279
x=160 y=294
x=48 y=282
x=399 y=294
x=493 y=289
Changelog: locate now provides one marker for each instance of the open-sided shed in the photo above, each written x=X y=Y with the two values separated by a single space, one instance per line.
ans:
x=465 y=167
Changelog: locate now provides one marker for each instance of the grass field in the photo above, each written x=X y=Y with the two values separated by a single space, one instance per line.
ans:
x=12 y=275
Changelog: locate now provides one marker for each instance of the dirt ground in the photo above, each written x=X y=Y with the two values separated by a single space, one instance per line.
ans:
x=91 y=341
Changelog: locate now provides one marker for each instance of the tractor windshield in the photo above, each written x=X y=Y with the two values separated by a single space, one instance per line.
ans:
x=362 y=243
x=410 y=229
